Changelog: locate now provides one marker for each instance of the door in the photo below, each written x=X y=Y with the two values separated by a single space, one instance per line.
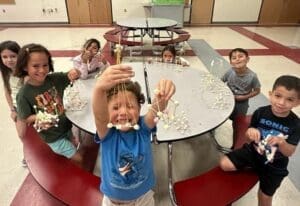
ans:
x=7 y=2
x=290 y=12
x=201 y=12
x=280 y=11
x=89 y=11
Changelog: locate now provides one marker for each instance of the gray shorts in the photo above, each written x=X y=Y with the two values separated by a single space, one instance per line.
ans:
x=240 y=108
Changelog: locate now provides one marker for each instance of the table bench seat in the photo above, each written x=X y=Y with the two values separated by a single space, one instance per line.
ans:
x=58 y=175
x=116 y=30
x=241 y=125
x=114 y=38
x=215 y=187
x=32 y=194
x=177 y=30
x=179 y=39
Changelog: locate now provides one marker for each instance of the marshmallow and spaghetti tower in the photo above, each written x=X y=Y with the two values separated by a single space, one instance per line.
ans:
x=121 y=91
x=167 y=114
x=170 y=116
x=44 y=117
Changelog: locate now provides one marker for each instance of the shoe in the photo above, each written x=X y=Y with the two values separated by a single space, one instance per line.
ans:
x=24 y=163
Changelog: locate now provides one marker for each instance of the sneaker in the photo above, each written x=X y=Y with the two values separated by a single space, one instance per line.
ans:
x=24 y=163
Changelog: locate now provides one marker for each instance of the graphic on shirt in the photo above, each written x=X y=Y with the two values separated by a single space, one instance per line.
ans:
x=264 y=148
x=274 y=125
x=238 y=86
x=130 y=172
x=50 y=102
x=265 y=133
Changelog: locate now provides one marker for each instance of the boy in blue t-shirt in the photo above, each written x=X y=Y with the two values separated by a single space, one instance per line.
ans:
x=126 y=159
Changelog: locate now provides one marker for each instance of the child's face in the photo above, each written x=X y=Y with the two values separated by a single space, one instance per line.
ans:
x=37 y=68
x=283 y=100
x=168 y=56
x=93 y=49
x=9 y=58
x=239 y=61
x=123 y=108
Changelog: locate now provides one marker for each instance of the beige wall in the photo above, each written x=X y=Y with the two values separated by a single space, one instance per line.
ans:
x=137 y=8
x=236 y=10
x=32 y=11
x=201 y=12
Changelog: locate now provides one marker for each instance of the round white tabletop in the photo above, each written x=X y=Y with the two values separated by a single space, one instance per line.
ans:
x=146 y=23
x=204 y=100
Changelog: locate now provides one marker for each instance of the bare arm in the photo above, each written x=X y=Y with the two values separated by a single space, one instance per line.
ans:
x=253 y=134
x=100 y=110
x=165 y=91
x=84 y=65
x=8 y=99
x=73 y=74
x=253 y=93
x=30 y=119
x=13 y=112
x=111 y=76
x=284 y=147
x=83 y=68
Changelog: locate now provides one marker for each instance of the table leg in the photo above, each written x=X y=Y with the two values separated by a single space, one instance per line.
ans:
x=219 y=147
x=170 y=175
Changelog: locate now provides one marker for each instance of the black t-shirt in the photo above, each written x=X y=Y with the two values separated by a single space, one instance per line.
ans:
x=268 y=124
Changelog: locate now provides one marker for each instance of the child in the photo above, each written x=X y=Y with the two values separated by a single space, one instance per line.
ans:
x=90 y=60
x=271 y=123
x=168 y=55
x=126 y=158
x=43 y=92
x=243 y=82
x=9 y=51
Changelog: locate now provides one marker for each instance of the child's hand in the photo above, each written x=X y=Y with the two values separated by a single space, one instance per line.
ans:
x=114 y=75
x=166 y=89
x=100 y=58
x=275 y=140
x=73 y=74
x=86 y=55
x=41 y=124
x=150 y=60
x=253 y=134
x=184 y=64
x=44 y=125
x=103 y=60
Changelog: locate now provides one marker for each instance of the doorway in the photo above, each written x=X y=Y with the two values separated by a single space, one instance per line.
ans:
x=89 y=11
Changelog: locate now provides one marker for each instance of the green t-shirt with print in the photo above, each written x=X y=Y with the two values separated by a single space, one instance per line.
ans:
x=46 y=97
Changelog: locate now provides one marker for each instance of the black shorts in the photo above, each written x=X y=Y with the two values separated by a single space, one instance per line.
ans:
x=270 y=177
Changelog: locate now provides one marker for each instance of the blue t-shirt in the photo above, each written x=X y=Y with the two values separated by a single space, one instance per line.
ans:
x=126 y=163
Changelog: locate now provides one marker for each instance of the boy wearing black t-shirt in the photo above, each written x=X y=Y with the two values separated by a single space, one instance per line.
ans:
x=278 y=127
